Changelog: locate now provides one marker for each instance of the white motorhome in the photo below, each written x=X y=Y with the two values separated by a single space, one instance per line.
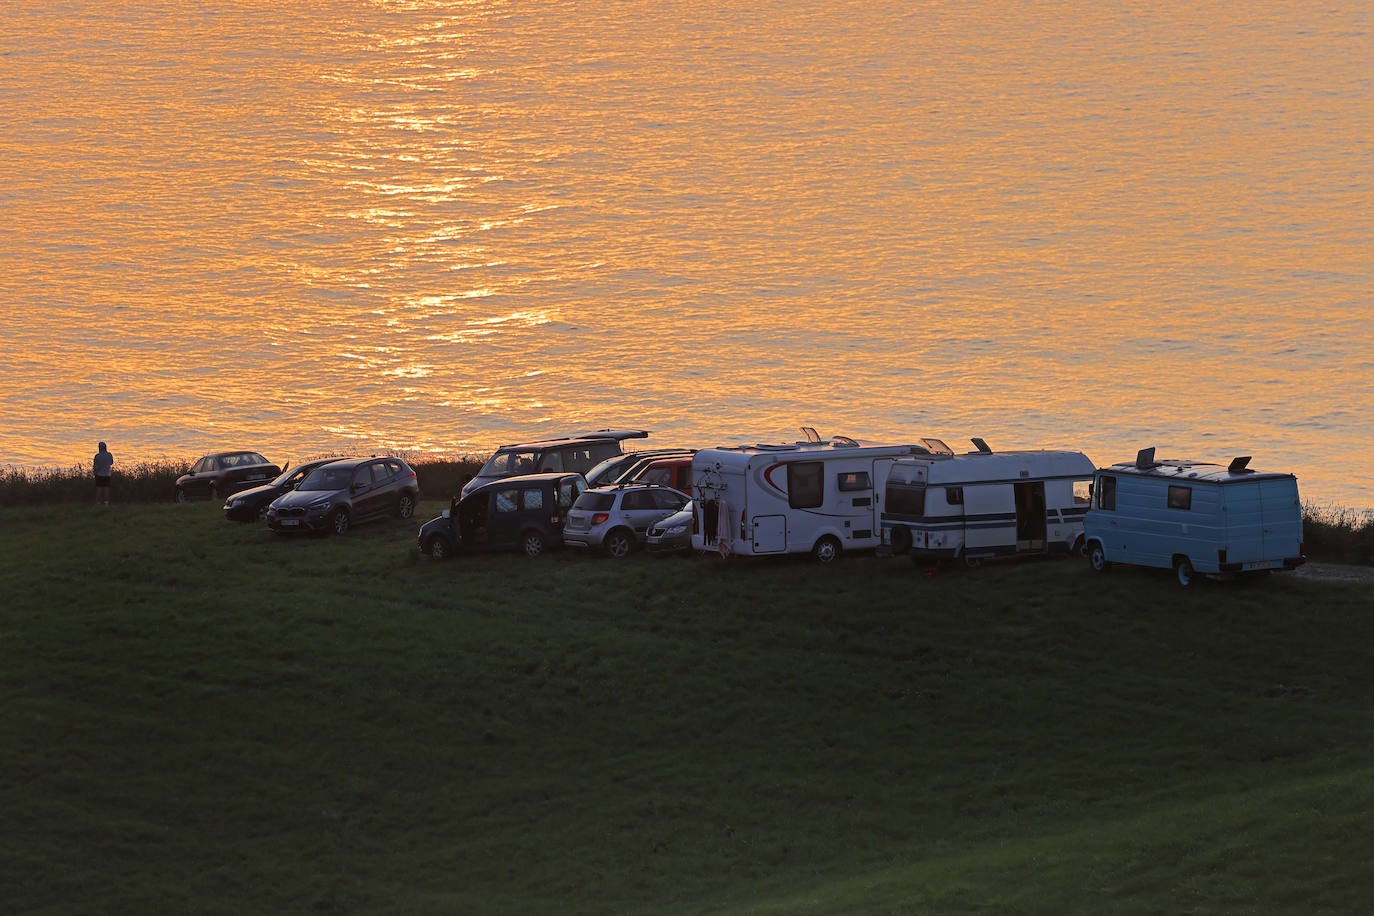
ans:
x=819 y=496
x=985 y=504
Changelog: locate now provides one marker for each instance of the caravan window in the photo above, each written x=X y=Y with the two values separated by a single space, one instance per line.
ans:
x=1083 y=491
x=854 y=480
x=954 y=496
x=1180 y=497
x=1106 y=493
x=805 y=484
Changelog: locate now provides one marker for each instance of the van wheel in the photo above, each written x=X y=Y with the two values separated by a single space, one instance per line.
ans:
x=532 y=542
x=438 y=547
x=1097 y=558
x=618 y=544
x=1079 y=548
x=827 y=549
x=1183 y=568
x=901 y=539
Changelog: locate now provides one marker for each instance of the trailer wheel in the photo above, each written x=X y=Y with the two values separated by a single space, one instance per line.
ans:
x=1097 y=557
x=901 y=539
x=827 y=549
x=1183 y=568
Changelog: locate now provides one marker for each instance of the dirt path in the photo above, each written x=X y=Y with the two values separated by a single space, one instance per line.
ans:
x=1336 y=572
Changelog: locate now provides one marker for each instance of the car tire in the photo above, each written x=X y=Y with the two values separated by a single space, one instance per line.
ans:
x=827 y=549
x=262 y=511
x=1097 y=558
x=214 y=492
x=1183 y=569
x=438 y=547
x=405 y=506
x=1079 y=548
x=971 y=562
x=339 y=521
x=618 y=543
x=180 y=495
x=532 y=542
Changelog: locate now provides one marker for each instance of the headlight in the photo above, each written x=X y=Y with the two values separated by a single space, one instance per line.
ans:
x=321 y=506
x=235 y=503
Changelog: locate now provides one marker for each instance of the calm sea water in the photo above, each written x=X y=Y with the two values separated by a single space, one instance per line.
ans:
x=436 y=225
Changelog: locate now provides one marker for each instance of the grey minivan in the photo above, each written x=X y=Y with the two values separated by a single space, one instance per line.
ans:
x=578 y=452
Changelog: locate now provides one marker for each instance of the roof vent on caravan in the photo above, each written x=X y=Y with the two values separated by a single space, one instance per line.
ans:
x=845 y=441
x=981 y=445
x=1145 y=459
x=1240 y=465
x=810 y=433
x=937 y=447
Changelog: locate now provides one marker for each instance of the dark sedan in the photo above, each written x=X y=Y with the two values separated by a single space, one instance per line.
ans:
x=222 y=473
x=251 y=505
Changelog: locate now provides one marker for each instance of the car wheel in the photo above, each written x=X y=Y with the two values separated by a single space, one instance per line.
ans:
x=1079 y=548
x=214 y=492
x=438 y=547
x=901 y=539
x=532 y=542
x=1097 y=558
x=262 y=511
x=339 y=521
x=827 y=549
x=1183 y=568
x=972 y=562
x=619 y=544
x=405 y=507
x=181 y=495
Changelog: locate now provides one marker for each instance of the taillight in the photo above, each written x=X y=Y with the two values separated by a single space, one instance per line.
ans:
x=600 y=518
x=553 y=519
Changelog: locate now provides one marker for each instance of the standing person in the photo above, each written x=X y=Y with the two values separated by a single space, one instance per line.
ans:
x=102 y=465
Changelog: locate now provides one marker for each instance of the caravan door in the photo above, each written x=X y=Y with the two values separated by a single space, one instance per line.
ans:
x=1031 y=533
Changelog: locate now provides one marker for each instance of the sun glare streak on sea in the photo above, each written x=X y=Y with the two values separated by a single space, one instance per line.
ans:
x=436 y=225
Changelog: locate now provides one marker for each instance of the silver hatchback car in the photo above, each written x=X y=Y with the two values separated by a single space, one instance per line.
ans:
x=615 y=519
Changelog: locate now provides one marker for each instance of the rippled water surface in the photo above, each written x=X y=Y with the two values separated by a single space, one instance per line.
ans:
x=436 y=225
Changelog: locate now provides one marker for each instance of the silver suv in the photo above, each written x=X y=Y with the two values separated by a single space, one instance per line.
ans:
x=615 y=519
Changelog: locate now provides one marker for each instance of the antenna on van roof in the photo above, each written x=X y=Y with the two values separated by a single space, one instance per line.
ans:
x=1239 y=465
x=981 y=446
x=1145 y=458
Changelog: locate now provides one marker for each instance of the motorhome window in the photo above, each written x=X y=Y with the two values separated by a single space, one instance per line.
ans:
x=1180 y=497
x=552 y=460
x=1083 y=491
x=532 y=498
x=954 y=496
x=854 y=480
x=805 y=484
x=1106 y=493
x=903 y=499
x=507 y=500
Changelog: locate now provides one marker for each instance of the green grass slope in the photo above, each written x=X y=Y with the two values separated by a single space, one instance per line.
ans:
x=196 y=716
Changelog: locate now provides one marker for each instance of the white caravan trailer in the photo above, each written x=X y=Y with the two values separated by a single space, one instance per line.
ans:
x=820 y=496
x=986 y=504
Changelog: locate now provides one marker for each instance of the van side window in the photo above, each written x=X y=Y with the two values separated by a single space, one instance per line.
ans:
x=854 y=480
x=903 y=499
x=1180 y=497
x=805 y=484
x=954 y=496
x=1106 y=493
x=552 y=460
x=533 y=498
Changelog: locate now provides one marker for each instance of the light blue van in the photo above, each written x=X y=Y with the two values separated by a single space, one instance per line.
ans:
x=1193 y=517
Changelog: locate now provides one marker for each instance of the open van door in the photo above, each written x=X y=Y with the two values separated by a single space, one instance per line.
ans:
x=1031 y=534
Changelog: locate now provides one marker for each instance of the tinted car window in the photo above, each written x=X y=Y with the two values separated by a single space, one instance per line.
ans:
x=327 y=478
x=532 y=498
x=595 y=502
x=507 y=500
x=638 y=499
x=568 y=491
x=669 y=500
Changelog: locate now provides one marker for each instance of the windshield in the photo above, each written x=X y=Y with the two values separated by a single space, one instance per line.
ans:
x=327 y=478
x=506 y=464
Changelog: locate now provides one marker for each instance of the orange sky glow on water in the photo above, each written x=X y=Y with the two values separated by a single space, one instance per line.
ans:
x=433 y=226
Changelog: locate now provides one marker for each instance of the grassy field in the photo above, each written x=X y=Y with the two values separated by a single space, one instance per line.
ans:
x=199 y=717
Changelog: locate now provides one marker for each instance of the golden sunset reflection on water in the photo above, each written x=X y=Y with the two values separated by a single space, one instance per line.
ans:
x=435 y=226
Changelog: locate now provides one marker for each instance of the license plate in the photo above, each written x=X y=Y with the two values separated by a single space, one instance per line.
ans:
x=289 y=522
x=1262 y=564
